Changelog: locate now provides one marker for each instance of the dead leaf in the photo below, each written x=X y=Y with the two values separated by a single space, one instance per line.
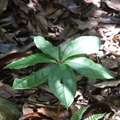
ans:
x=11 y=57
x=91 y=23
x=98 y=13
x=112 y=83
x=95 y=2
x=114 y=4
x=50 y=9
x=116 y=116
x=9 y=19
x=24 y=7
x=42 y=22
x=6 y=91
x=52 y=112
x=97 y=98
x=3 y=5
x=31 y=116
x=26 y=109
x=109 y=63
x=69 y=4
x=114 y=100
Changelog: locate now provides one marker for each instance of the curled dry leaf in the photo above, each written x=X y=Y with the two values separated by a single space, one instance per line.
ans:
x=31 y=116
x=98 y=13
x=47 y=113
x=112 y=83
x=52 y=112
x=114 y=4
x=11 y=58
x=26 y=109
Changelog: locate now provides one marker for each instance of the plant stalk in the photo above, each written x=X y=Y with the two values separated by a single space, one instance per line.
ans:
x=58 y=109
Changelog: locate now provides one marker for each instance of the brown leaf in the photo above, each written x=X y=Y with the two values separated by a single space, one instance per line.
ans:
x=47 y=113
x=11 y=58
x=24 y=7
x=42 y=22
x=9 y=19
x=116 y=116
x=88 y=24
x=109 y=63
x=114 y=4
x=3 y=5
x=50 y=9
x=32 y=116
x=112 y=83
x=52 y=112
x=6 y=91
x=114 y=100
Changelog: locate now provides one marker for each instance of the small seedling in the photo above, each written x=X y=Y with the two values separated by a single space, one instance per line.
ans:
x=79 y=114
x=60 y=75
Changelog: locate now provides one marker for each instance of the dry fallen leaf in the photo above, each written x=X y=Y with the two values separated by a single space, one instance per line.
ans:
x=11 y=58
x=109 y=63
x=42 y=22
x=3 y=5
x=114 y=4
x=116 y=116
x=6 y=91
x=112 y=83
x=52 y=112
x=50 y=9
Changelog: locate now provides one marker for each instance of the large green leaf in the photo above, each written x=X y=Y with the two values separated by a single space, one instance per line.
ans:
x=33 y=80
x=32 y=59
x=88 y=68
x=81 y=45
x=62 y=83
x=46 y=47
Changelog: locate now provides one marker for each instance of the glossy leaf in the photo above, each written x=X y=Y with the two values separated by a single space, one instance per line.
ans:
x=32 y=59
x=46 y=47
x=33 y=80
x=62 y=83
x=88 y=68
x=79 y=114
x=81 y=45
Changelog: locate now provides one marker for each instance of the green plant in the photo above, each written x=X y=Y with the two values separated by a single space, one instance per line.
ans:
x=65 y=59
x=79 y=114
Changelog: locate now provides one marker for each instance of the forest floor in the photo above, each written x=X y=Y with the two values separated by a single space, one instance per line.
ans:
x=59 y=21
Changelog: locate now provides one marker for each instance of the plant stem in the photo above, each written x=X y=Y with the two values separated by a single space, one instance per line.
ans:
x=58 y=110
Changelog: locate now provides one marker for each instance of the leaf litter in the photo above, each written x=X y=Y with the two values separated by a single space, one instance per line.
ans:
x=60 y=21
